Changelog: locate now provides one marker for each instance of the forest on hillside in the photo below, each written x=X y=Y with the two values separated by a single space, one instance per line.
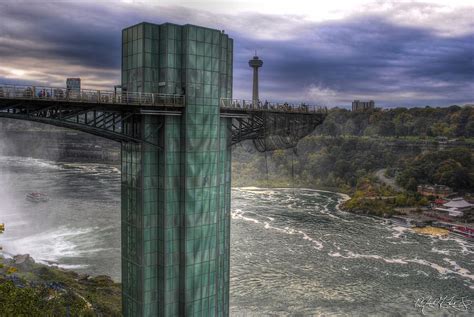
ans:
x=350 y=146
x=451 y=122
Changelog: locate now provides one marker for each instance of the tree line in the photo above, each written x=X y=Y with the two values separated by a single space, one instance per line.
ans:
x=350 y=146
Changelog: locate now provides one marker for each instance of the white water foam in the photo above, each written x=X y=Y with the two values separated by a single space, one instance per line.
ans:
x=435 y=250
x=455 y=269
x=13 y=160
x=398 y=232
x=72 y=266
x=52 y=245
x=239 y=214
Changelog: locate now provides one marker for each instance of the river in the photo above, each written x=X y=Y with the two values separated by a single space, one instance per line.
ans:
x=293 y=251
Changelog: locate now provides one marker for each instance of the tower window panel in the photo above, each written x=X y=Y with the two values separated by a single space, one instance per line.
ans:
x=171 y=60
x=200 y=35
x=207 y=74
x=163 y=32
x=171 y=46
x=178 y=61
x=215 y=65
x=135 y=47
x=135 y=33
x=139 y=60
x=124 y=36
x=139 y=46
x=215 y=37
x=208 y=36
x=163 y=59
x=162 y=48
x=171 y=31
x=148 y=31
x=199 y=75
x=171 y=74
x=192 y=75
x=148 y=48
x=200 y=48
x=200 y=62
x=148 y=60
x=215 y=78
x=155 y=32
x=148 y=74
x=192 y=47
x=124 y=49
x=215 y=51
x=191 y=62
x=163 y=74
x=208 y=49
x=192 y=33
x=154 y=46
x=139 y=31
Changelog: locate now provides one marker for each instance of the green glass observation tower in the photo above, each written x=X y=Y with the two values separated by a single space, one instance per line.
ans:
x=176 y=196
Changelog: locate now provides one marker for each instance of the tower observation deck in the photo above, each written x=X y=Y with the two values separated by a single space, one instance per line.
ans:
x=177 y=122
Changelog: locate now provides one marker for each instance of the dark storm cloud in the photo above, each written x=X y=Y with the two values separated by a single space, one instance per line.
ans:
x=368 y=57
x=331 y=62
x=70 y=33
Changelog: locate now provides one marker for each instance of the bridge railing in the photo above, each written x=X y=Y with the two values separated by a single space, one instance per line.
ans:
x=89 y=96
x=239 y=104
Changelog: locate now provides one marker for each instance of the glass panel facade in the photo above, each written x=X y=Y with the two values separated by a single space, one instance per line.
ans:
x=176 y=198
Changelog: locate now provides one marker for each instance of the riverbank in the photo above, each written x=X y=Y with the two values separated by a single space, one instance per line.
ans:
x=31 y=289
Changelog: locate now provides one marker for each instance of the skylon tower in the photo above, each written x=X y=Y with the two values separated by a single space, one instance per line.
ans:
x=255 y=63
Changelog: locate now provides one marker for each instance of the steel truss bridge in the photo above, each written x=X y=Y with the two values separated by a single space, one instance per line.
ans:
x=269 y=125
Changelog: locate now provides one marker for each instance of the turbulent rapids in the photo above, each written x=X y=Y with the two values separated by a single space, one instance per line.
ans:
x=293 y=251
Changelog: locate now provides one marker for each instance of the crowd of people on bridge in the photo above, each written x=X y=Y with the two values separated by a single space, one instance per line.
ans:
x=259 y=105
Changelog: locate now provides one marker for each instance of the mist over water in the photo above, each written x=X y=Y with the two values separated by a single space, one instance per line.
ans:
x=293 y=251
x=78 y=228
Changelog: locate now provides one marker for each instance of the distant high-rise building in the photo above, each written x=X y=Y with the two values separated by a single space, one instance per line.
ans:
x=73 y=84
x=362 y=105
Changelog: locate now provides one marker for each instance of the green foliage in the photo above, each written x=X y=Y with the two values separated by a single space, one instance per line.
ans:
x=332 y=163
x=451 y=121
x=454 y=168
x=377 y=199
x=39 y=301
x=349 y=146
x=16 y=301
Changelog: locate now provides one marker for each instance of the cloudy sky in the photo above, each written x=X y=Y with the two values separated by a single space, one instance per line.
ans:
x=399 y=53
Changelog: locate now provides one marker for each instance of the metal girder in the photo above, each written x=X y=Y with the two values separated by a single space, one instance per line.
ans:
x=101 y=121
x=270 y=131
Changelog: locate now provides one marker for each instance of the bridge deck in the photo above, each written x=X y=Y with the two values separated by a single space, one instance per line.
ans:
x=68 y=97
x=269 y=125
